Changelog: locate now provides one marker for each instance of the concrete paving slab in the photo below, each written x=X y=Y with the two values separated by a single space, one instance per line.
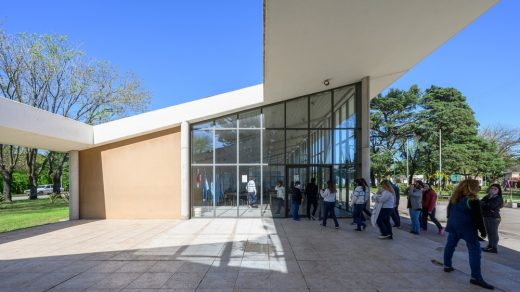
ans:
x=236 y=255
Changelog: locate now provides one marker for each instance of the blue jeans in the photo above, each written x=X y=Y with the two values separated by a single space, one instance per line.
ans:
x=414 y=216
x=294 y=210
x=358 y=215
x=329 y=209
x=252 y=198
x=473 y=251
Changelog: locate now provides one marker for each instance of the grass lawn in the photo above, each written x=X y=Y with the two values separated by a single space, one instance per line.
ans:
x=27 y=213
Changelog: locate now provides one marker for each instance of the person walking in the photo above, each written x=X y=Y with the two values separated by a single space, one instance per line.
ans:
x=280 y=196
x=429 y=201
x=385 y=197
x=296 y=198
x=251 y=192
x=491 y=205
x=464 y=221
x=329 y=202
x=311 y=194
x=395 y=214
x=414 y=205
x=358 y=198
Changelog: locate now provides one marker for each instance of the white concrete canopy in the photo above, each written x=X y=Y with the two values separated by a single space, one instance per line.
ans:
x=308 y=41
x=24 y=125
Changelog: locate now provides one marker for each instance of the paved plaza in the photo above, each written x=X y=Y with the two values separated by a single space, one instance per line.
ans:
x=234 y=255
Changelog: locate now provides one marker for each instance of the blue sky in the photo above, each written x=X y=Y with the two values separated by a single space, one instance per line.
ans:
x=184 y=50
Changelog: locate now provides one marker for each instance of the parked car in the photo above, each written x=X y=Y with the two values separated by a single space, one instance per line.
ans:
x=42 y=190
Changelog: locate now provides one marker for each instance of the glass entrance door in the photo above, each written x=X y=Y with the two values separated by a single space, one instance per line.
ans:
x=322 y=174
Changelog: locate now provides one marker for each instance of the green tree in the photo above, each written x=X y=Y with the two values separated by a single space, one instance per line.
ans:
x=445 y=115
x=46 y=72
x=9 y=158
x=507 y=141
x=410 y=124
x=391 y=121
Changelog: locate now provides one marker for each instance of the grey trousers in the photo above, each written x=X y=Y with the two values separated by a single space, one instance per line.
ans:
x=492 y=230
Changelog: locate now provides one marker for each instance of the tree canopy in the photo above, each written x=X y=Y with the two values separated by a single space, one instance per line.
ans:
x=49 y=73
x=410 y=124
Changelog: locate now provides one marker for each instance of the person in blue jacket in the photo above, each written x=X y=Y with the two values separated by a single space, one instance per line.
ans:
x=464 y=221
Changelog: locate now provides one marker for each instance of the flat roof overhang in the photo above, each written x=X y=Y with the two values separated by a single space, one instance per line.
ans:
x=24 y=125
x=308 y=41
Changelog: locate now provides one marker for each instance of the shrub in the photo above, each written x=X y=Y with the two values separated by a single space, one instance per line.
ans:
x=19 y=183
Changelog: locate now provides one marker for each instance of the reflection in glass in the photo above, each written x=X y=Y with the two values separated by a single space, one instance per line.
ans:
x=274 y=116
x=204 y=125
x=225 y=146
x=202 y=146
x=226 y=122
x=321 y=147
x=250 y=119
x=344 y=107
x=297 y=113
x=276 y=200
x=202 y=191
x=343 y=177
x=297 y=145
x=322 y=174
x=274 y=149
x=226 y=191
x=344 y=146
x=249 y=146
x=321 y=105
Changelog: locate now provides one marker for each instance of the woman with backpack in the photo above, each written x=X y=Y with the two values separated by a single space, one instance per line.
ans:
x=491 y=205
x=464 y=222
x=358 y=198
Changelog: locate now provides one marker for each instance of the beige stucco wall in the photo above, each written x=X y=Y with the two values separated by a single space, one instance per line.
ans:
x=138 y=178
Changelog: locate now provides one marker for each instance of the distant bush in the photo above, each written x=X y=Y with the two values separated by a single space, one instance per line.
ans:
x=20 y=183
x=450 y=188
x=2 y=198
x=402 y=189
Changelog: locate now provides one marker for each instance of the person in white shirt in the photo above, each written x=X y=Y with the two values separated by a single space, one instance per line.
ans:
x=251 y=191
x=329 y=202
x=385 y=197
x=280 y=196
x=359 y=197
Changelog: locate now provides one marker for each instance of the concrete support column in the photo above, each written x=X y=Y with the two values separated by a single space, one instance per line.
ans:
x=365 y=129
x=73 y=185
x=185 y=170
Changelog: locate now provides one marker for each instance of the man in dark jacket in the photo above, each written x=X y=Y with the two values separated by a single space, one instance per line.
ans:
x=395 y=213
x=296 y=198
x=311 y=193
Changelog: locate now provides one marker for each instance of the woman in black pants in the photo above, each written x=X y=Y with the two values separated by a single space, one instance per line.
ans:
x=386 y=198
x=491 y=205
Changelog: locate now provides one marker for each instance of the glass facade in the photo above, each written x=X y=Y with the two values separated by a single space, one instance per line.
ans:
x=238 y=160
